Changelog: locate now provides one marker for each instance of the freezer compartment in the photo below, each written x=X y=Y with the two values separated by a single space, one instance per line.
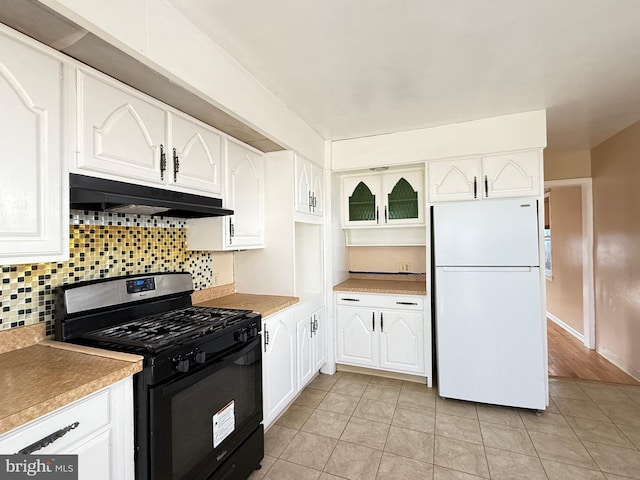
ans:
x=497 y=233
x=490 y=336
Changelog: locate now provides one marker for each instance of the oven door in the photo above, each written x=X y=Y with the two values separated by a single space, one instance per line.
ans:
x=200 y=419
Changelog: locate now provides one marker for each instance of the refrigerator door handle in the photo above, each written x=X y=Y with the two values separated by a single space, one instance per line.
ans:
x=486 y=269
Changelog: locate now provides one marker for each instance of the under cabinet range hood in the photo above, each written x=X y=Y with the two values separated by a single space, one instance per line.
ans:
x=89 y=193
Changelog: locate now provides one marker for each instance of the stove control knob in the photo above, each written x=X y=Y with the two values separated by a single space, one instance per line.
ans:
x=253 y=331
x=242 y=336
x=200 y=356
x=182 y=364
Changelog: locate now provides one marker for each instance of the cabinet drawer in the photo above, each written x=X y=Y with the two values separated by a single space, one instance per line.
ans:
x=91 y=414
x=366 y=300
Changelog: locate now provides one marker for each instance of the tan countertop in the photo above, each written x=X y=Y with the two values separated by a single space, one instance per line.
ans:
x=265 y=305
x=42 y=377
x=382 y=286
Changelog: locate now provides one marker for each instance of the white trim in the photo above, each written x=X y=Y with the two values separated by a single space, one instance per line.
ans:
x=588 y=289
x=565 y=326
x=619 y=362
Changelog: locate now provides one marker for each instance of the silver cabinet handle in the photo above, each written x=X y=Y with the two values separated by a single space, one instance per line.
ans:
x=406 y=303
x=350 y=299
x=373 y=321
x=266 y=337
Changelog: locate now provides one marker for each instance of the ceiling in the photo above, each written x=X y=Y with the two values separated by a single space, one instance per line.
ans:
x=353 y=68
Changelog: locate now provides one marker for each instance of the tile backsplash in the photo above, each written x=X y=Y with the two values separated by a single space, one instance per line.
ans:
x=101 y=245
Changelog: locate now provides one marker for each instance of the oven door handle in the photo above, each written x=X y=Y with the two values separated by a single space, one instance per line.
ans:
x=196 y=375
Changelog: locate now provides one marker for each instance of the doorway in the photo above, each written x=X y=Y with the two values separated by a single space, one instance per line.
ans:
x=568 y=238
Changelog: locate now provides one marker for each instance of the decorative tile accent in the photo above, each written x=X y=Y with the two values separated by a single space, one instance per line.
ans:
x=101 y=245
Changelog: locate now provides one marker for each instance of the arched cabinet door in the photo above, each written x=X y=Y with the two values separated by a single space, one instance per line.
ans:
x=121 y=132
x=403 y=198
x=361 y=196
x=33 y=201
x=245 y=196
x=196 y=155
x=512 y=175
x=401 y=341
x=457 y=179
x=278 y=363
x=357 y=338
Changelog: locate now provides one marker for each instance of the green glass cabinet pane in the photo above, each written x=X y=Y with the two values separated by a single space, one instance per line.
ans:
x=403 y=201
x=362 y=204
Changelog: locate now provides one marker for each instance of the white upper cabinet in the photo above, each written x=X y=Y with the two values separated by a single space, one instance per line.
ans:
x=512 y=175
x=395 y=198
x=126 y=135
x=196 y=157
x=516 y=174
x=309 y=189
x=244 y=194
x=454 y=179
x=122 y=133
x=33 y=184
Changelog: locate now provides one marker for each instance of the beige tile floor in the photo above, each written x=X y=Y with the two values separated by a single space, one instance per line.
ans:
x=361 y=427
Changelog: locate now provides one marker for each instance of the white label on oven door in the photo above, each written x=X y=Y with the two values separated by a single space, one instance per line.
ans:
x=224 y=423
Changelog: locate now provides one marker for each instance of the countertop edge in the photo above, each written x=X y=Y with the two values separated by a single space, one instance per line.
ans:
x=379 y=290
x=37 y=410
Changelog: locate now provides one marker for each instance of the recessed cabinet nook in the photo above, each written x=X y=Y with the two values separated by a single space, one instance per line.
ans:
x=516 y=174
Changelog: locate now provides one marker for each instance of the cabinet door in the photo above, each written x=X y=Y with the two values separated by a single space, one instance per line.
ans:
x=357 y=337
x=317 y=188
x=304 y=186
x=195 y=158
x=122 y=132
x=33 y=206
x=403 y=198
x=94 y=458
x=319 y=347
x=305 y=367
x=361 y=201
x=457 y=179
x=402 y=341
x=511 y=175
x=245 y=195
x=278 y=364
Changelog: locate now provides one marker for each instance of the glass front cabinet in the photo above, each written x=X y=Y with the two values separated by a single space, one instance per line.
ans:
x=383 y=199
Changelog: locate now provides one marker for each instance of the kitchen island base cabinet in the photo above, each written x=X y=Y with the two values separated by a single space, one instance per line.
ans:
x=386 y=332
x=98 y=428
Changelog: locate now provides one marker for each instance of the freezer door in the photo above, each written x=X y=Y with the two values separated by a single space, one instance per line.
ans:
x=490 y=335
x=497 y=233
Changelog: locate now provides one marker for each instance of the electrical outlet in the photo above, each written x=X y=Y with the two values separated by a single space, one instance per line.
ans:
x=405 y=266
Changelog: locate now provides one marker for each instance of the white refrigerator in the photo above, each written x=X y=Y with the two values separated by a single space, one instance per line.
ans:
x=489 y=325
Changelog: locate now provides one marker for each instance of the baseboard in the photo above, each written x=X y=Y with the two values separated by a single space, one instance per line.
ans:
x=566 y=327
x=380 y=373
x=619 y=362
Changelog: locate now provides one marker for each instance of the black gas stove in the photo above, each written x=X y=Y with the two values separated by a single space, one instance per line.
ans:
x=202 y=369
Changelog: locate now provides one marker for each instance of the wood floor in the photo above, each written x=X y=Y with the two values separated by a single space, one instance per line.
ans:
x=568 y=357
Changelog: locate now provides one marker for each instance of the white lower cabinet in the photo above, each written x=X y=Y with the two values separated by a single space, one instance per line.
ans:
x=383 y=331
x=310 y=346
x=279 y=385
x=98 y=428
x=293 y=350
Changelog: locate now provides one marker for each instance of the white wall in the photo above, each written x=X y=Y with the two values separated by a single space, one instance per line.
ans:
x=156 y=34
x=497 y=134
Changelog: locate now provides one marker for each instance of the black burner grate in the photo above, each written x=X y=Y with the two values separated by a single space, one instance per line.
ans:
x=174 y=327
